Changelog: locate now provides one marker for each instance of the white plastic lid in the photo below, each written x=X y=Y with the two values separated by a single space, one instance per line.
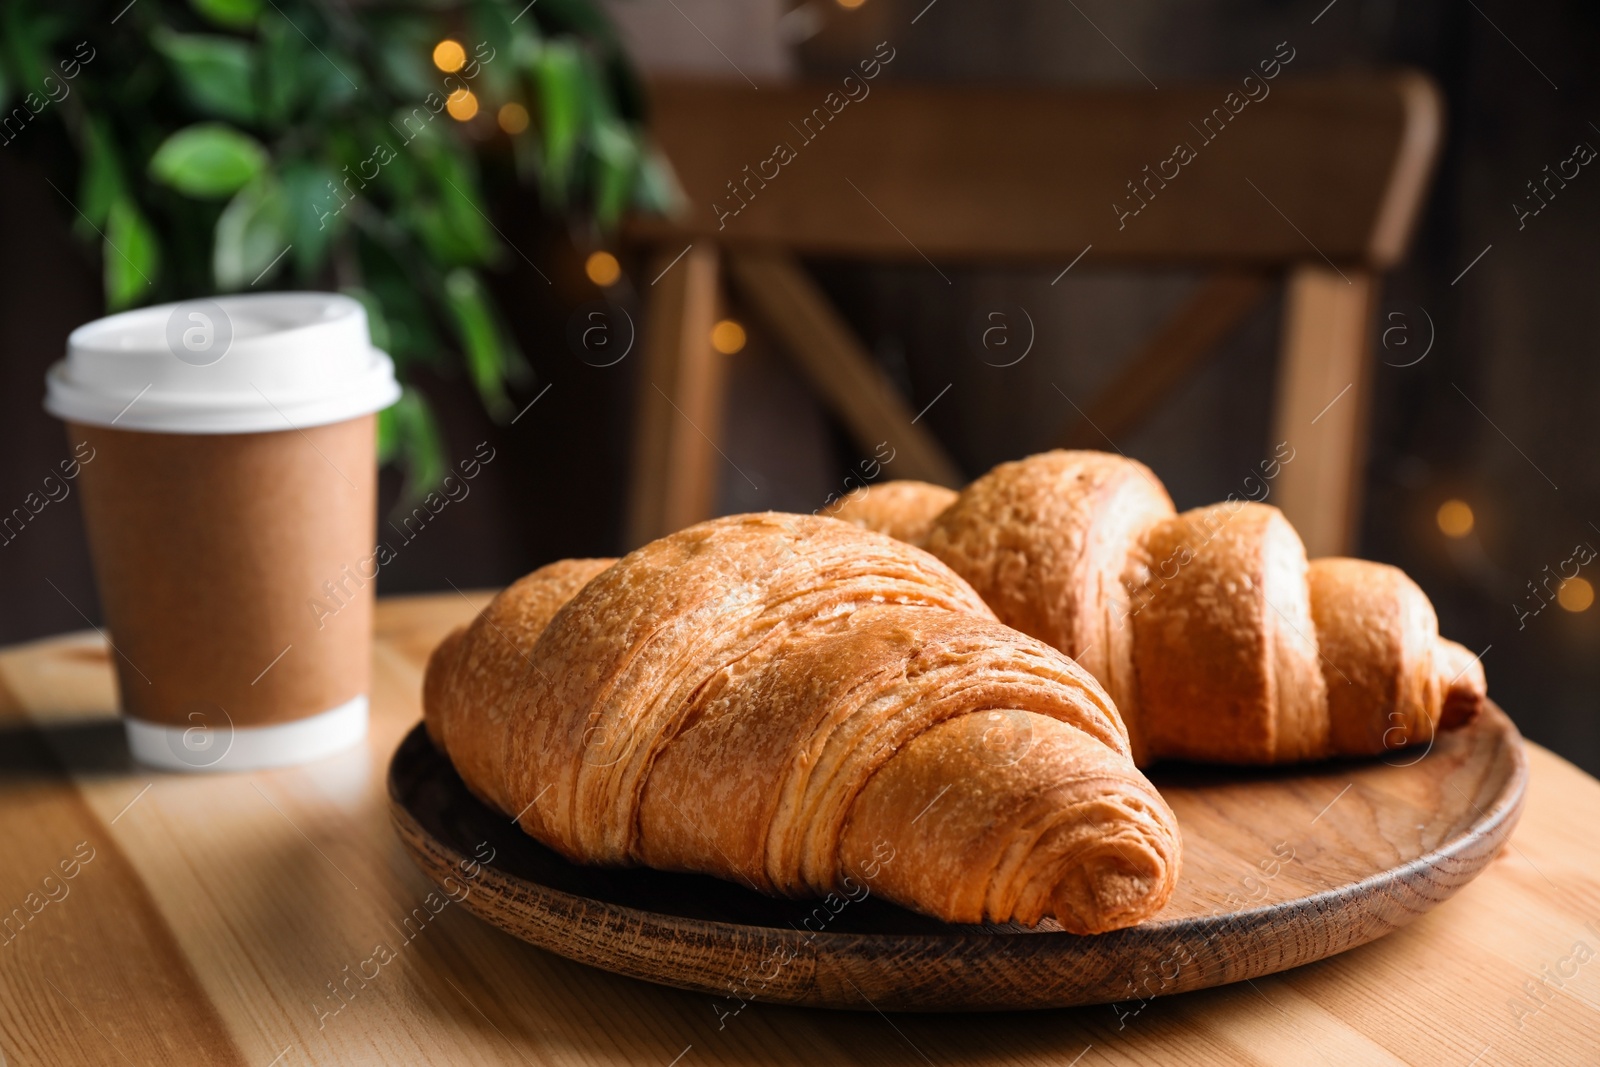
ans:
x=237 y=364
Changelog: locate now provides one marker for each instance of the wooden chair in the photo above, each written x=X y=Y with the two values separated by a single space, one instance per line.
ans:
x=1319 y=182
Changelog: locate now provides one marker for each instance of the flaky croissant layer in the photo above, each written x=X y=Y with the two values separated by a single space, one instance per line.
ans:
x=1215 y=636
x=790 y=702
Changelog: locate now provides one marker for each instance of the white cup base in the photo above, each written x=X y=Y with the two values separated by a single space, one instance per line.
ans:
x=248 y=748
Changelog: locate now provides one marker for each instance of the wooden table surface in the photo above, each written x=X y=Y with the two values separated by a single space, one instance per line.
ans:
x=149 y=918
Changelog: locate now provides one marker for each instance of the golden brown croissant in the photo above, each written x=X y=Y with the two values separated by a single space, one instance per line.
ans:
x=1211 y=631
x=467 y=703
x=792 y=702
x=904 y=510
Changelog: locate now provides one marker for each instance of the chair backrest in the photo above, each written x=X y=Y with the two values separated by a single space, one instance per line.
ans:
x=1307 y=169
x=1320 y=181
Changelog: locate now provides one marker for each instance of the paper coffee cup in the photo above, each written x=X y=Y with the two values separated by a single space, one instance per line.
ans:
x=229 y=476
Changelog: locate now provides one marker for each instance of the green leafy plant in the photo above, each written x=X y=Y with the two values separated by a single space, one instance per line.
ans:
x=214 y=146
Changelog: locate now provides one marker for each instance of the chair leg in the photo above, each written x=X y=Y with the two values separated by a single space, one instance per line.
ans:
x=682 y=389
x=1322 y=406
x=838 y=366
x=1191 y=333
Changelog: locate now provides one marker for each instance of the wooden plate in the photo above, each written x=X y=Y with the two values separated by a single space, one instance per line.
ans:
x=1280 y=868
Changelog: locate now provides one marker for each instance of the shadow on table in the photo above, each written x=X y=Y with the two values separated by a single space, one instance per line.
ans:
x=93 y=748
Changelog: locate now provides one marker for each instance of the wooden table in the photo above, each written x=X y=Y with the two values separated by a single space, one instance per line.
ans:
x=208 y=919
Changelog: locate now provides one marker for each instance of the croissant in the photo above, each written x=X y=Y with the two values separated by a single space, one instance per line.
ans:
x=904 y=510
x=1216 y=638
x=804 y=707
x=467 y=706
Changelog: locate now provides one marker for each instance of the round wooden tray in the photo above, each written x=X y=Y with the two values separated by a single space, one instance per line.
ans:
x=1280 y=868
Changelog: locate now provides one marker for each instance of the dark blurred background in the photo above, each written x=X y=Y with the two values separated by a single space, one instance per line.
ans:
x=1514 y=333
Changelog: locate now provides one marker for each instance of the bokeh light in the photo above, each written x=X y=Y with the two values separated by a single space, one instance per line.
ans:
x=513 y=118
x=449 y=56
x=462 y=105
x=851 y=5
x=602 y=268
x=1575 y=594
x=727 y=337
x=1455 y=518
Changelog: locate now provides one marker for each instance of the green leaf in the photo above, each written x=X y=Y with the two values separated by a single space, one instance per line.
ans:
x=558 y=70
x=130 y=254
x=403 y=174
x=403 y=57
x=281 y=87
x=315 y=214
x=209 y=160
x=233 y=14
x=329 y=77
x=252 y=234
x=491 y=48
x=464 y=213
x=488 y=358
x=217 y=74
x=388 y=435
x=413 y=337
x=658 y=190
x=101 y=182
x=23 y=35
x=618 y=156
x=526 y=44
x=450 y=218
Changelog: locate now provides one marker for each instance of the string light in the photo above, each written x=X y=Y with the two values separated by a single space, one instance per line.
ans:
x=462 y=105
x=513 y=118
x=1575 y=594
x=602 y=268
x=727 y=337
x=1455 y=518
x=449 y=56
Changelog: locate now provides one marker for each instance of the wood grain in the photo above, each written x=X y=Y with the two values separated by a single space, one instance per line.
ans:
x=1034 y=175
x=1274 y=877
x=1321 y=413
x=237 y=875
x=680 y=400
x=1316 y=171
